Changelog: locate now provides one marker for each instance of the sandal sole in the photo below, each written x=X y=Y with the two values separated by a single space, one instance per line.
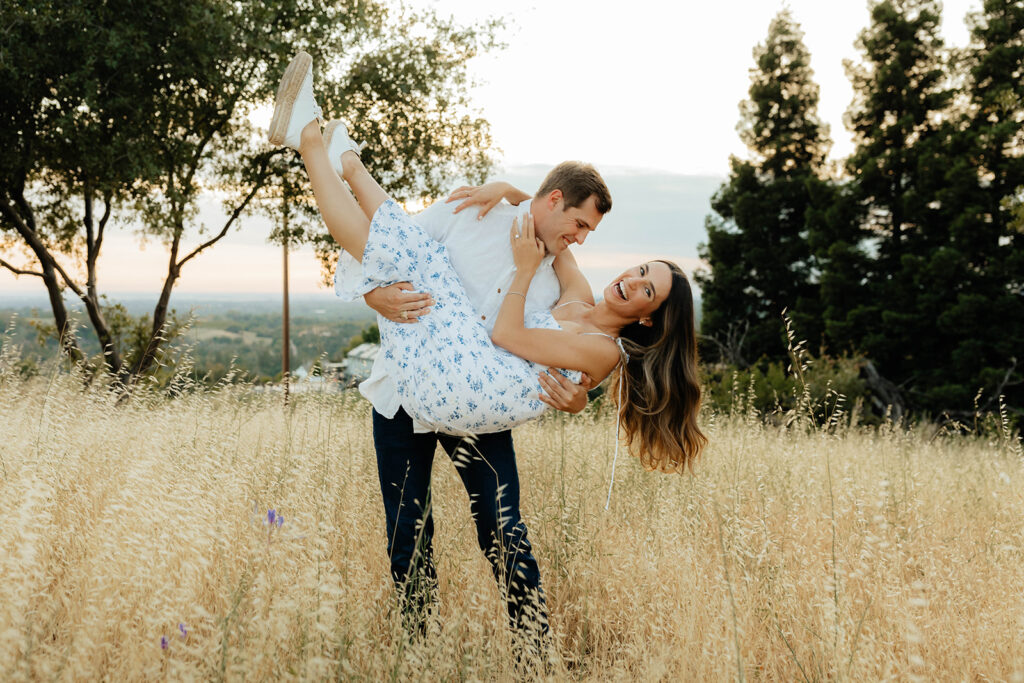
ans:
x=287 y=91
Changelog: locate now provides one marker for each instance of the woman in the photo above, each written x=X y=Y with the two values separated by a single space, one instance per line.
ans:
x=449 y=374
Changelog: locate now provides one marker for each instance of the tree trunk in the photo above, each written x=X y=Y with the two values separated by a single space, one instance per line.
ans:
x=156 y=339
x=65 y=335
x=111 y=354
x=886 y=394
x=25 y=225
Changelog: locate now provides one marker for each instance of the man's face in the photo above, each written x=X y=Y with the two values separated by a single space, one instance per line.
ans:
x=558 y=227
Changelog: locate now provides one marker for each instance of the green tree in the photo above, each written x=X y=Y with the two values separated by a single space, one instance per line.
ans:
x=119 y=114
x=757 y=248
x=889 y=258
x=369 y=335
x=983 y=313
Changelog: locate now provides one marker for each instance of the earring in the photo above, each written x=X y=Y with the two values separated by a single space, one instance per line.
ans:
x=646 y=322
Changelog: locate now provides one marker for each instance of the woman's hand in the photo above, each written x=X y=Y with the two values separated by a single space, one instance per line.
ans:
x=486 y=196
x=527 y=250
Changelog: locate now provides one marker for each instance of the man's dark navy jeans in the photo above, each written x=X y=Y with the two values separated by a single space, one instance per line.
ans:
x=487 y=465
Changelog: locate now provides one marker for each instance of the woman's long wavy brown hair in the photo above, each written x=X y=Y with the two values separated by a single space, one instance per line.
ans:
x=661 y=383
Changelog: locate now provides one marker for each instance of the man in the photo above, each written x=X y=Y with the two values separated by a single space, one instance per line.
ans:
x=568 y=206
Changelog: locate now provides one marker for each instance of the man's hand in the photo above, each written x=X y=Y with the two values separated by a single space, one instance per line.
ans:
x=561 y=394
x=398 y=303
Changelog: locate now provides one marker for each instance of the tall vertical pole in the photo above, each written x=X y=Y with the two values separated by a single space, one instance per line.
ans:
x=286 y=345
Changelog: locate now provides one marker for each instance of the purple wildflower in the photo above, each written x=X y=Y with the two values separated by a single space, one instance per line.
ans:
x=271 y=514
x=184 y=631
x=280 y=521
x=163 y=642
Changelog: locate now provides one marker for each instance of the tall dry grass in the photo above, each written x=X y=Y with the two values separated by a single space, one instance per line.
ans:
x=791 y=554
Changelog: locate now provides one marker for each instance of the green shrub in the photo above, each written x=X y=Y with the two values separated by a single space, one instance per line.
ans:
x=773 y=389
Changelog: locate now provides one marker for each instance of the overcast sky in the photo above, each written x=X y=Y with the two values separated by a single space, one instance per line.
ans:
x=645 y=84
x=649 y=83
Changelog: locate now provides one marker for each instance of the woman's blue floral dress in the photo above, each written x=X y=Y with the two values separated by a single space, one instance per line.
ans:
x=449 y=375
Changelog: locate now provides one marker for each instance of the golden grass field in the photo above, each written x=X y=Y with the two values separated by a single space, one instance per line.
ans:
x=791 y=554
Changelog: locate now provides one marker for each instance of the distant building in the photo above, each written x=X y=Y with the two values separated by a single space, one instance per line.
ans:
x=359 y=361
x=334 y=371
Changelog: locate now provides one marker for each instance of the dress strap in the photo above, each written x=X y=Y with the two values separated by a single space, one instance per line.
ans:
x=572 y=302
x=624 y=358
x=618 y=419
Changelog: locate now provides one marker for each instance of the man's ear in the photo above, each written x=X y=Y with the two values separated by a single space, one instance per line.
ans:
x=553 y=198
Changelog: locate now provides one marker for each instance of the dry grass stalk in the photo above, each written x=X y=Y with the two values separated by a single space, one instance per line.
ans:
x=849 y=554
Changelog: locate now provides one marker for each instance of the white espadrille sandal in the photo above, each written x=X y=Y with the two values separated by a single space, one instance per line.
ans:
x=338 y=142
x=294 y=106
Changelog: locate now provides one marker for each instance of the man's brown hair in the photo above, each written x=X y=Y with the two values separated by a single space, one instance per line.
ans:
x=577 y=181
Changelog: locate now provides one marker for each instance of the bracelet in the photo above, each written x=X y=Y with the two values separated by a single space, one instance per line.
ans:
x=516 y=293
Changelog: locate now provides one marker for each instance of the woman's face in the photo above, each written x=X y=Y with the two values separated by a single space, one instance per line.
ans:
x=638 y=292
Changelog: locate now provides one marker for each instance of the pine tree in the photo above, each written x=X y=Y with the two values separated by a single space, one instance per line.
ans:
x=757 y=245
x=984 y=316
x=891 y=267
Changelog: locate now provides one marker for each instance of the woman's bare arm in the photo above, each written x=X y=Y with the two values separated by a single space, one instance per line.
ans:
x=593 y=354
x=486 y=196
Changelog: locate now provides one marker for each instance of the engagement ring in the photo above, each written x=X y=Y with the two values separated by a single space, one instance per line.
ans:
x=405 y=315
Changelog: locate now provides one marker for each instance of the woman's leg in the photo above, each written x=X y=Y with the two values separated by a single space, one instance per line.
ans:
x=344 y=218
x=368 y=193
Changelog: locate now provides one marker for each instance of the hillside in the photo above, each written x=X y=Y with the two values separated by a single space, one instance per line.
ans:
x=248 y=330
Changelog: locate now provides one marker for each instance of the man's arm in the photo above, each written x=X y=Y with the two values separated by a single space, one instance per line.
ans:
x=562 y=394
x=571 y=279
x=399 y=303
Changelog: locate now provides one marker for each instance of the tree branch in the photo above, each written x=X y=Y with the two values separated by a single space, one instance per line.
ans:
x=60 y=317
x=234 y=214
x=90 y=242
x=87 y=219
x=41 y=251
x=18 y=271
x=19 y=199
x=174 y=269
x=1003 y=384
x=26 y=232
x=72 y=285
x=201 y=147
x=109 y=203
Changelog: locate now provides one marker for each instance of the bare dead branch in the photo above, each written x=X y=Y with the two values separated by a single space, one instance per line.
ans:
x=1005 y=382
x=884 y=393
x=731 y=349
